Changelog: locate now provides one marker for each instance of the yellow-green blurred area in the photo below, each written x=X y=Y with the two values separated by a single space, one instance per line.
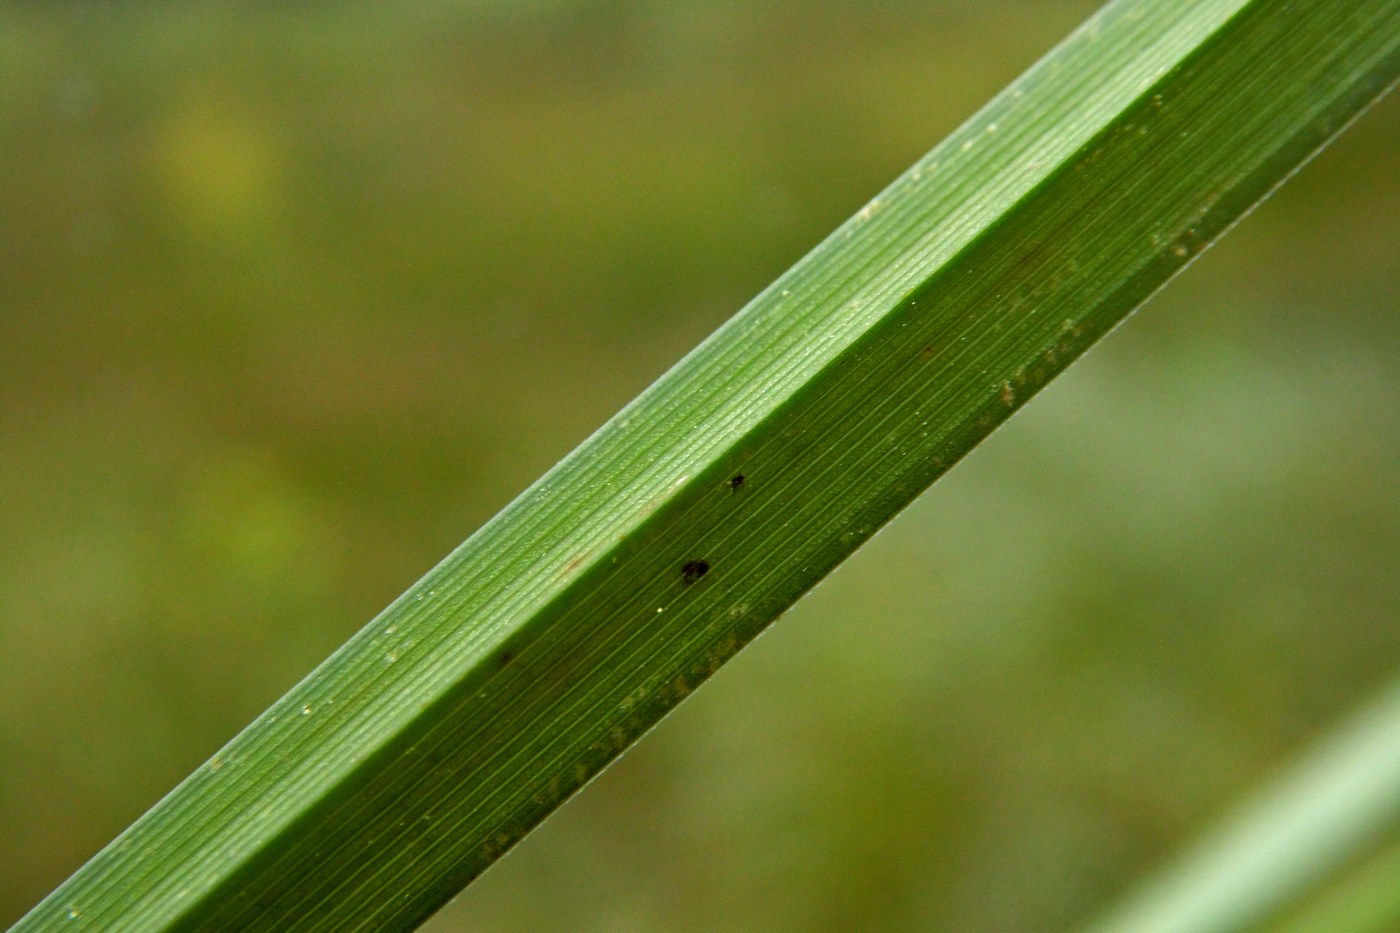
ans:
x=294 y=296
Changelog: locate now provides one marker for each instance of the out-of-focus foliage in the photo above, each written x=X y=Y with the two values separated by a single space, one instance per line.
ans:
x=293 y=296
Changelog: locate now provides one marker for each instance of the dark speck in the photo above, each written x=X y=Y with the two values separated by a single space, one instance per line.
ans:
x=736 y=481
x=505 y=658
x=694 y=570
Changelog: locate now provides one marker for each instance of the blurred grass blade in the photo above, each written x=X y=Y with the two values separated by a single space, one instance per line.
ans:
x=1365 y=900
x=1335 y=805
x=571 y=622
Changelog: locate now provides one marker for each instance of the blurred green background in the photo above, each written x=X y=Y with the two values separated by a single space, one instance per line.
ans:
x=294 y=296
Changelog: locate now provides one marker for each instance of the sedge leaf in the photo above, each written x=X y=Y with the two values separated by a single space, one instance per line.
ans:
x=570 y=623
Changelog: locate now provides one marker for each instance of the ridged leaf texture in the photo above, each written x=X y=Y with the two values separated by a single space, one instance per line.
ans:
x=575 y=619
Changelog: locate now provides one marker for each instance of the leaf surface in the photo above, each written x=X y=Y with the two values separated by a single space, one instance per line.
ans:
x=576 y=618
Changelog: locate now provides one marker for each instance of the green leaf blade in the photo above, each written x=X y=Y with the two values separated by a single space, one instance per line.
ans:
x=568 y=625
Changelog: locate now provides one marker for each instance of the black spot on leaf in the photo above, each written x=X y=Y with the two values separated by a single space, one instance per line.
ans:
x=694 y=570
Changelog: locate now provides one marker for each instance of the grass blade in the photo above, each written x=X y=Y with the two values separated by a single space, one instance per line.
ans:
x=1365 y=900
x=1336 y=803
x=570 y=623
